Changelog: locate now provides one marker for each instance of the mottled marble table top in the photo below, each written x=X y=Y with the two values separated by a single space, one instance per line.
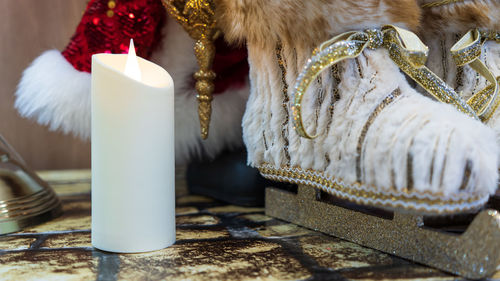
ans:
x=215 y=241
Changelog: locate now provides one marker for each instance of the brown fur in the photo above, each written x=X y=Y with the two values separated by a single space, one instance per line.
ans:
x=309 y=21
x=461 y=16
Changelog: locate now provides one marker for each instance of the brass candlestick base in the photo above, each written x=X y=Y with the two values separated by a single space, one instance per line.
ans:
x=473 y=254
x=25 y=199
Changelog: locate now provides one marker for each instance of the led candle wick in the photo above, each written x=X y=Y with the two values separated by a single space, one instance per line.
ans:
x=132 y=69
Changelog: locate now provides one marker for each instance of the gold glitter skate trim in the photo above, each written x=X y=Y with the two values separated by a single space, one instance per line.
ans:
x=467 y=51
x=286 y=99
x=441 y=3
x=483 y=97
x=486 y=117
x=424 y=202
x=405 y=49
x=375 y=113
x=335 y=95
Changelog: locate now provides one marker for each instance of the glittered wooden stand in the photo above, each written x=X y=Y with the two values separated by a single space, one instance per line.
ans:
x=473 y=254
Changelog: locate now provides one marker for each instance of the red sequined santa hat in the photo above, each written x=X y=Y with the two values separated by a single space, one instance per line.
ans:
x=55 y=89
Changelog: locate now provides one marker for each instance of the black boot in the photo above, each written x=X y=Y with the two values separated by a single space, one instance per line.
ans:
x=227 y=178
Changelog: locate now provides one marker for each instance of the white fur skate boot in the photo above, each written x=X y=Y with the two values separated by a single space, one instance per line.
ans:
x=379 y=142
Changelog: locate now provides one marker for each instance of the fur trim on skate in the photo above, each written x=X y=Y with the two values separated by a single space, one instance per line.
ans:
x=461 y=16
x=309 y=22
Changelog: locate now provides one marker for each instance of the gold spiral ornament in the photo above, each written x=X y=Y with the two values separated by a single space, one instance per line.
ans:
x=197 y=17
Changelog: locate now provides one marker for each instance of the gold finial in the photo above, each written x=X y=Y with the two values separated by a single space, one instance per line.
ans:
x=197 y=17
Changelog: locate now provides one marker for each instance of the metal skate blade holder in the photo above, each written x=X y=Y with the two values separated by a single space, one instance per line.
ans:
x=25 y=199
x=474 y=254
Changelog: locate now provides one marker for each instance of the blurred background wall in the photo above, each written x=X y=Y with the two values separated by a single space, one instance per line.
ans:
x=27 y=28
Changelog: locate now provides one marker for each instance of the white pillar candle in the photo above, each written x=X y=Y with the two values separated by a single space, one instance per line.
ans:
x=133 y=200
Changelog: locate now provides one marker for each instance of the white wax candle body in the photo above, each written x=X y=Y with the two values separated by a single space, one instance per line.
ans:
x=133 y=182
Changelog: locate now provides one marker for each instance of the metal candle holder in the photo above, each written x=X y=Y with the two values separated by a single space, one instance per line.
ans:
x=25 y=199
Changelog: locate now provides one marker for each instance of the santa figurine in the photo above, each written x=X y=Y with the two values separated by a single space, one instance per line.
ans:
x=55 y=89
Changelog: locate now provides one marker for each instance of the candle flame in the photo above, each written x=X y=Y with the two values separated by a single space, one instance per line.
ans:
x=132 y=69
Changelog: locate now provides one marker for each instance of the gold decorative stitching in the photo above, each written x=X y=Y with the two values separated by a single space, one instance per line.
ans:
x=286 y=100
x=375 y=113
x=425 y=200
x=467 y=173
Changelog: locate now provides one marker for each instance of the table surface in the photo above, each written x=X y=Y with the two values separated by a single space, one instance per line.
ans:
x=215 y=241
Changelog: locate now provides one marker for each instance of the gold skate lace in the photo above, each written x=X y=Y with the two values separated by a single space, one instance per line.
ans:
x=405 y=49
x=468 y=51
